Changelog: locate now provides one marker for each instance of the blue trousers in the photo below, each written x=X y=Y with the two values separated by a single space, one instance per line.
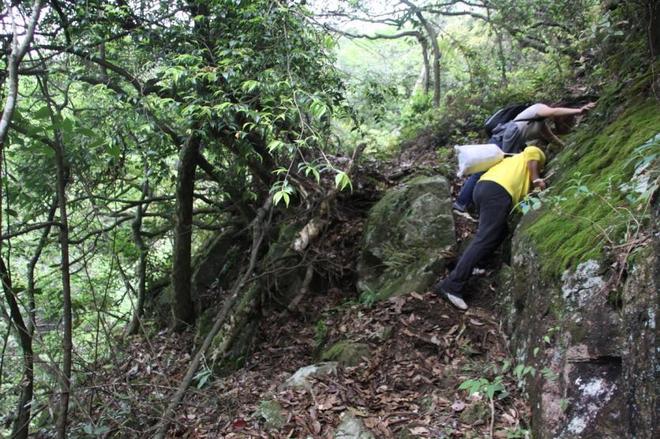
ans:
x=465 y=195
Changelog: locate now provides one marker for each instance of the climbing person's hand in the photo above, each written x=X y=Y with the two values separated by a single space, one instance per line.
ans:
x=539 y=183
x=587 y=107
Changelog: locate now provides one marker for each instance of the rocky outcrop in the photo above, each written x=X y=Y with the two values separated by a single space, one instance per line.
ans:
x=580 y=297
x=593 y=349
x=406 y=238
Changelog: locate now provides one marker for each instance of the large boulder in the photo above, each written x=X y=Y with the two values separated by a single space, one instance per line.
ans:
x=593 y=348
x=580 y=297
x=407 y=236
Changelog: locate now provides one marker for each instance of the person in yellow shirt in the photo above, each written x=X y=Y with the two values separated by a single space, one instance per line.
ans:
x=496 y=192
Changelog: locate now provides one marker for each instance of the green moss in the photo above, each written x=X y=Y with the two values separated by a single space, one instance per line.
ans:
x=478 y=411
x=272 y=414
x=346 y=352
x=588 y=211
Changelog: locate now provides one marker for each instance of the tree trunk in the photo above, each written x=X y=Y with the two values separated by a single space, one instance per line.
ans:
x=436 y=62
x=65 y=266
x=134 y=325
x=426 y=69
x=21 y=426
x=182 y=305
x=22 y=422
x=500 y=48
x=67 y=338
x=433 y=36
x=653 y=28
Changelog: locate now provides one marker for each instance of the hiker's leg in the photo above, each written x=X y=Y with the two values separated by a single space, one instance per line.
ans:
x=464 y=198
x=494 y=204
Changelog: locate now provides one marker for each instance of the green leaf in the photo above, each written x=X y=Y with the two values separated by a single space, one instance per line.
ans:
x=114 y=150
x=281 y=195
x=465 y=385
x=318 y=109
x=220 y=108
x=42 y=113
x=275 y=145
x=342 y=181
x=249 y=86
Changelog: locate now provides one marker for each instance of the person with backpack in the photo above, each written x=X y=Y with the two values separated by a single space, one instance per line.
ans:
x=512 y=127
x=498 y=189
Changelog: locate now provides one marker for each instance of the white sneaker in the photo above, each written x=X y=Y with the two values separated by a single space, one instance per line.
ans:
x=465 y=214
x=457 y=301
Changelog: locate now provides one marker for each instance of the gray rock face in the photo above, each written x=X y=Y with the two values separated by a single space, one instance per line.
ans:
x=302 y=377
x=352 y=428
x=594 y=349
x=407 y=234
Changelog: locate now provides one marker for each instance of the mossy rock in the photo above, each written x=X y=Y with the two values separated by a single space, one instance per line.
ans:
x=272 y=413
x=476 y=412
x=406 y=237
x=346 y=353
x=352 y=427
x=603 y=178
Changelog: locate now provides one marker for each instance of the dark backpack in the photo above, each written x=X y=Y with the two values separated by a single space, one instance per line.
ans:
x=505 y=115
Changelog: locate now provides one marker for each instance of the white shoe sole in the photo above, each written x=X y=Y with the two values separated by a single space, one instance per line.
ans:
x=456 y=301
x=465 y=215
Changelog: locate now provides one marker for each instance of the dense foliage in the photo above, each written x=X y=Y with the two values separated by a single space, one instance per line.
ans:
x=140 y=129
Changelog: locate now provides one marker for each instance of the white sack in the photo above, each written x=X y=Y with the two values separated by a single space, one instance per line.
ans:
x=477 y=158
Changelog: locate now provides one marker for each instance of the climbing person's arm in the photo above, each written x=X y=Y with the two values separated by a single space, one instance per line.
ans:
x=546 y=111
x=535 y=175
x=551 y=137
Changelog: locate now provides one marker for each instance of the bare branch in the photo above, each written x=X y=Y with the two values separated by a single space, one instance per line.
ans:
x=29 y=229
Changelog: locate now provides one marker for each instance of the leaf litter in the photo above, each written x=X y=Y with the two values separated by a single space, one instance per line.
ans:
x=421 y=350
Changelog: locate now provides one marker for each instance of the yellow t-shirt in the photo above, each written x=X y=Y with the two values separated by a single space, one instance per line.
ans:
x=512 y=172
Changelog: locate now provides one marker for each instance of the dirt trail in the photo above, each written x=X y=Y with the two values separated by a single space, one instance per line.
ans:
x=421 y=350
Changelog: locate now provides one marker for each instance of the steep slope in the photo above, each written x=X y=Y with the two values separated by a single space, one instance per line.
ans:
x=580 y=296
